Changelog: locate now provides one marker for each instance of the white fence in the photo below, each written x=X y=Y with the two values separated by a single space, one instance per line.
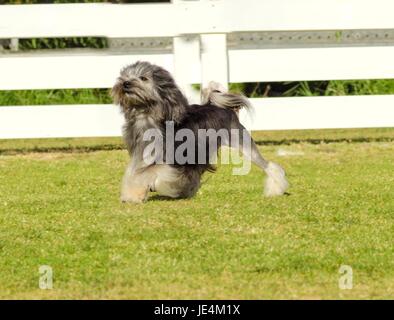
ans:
x=200 y=53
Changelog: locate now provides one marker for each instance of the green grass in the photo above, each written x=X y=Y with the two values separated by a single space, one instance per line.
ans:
x=62 y=209
x=55 y=97
x=315 y=88
x=62 y=43
x=282 y=137
x=341 y=88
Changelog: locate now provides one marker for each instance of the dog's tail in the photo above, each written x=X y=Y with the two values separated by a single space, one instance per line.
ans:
x=276 y=183
x=217 y=95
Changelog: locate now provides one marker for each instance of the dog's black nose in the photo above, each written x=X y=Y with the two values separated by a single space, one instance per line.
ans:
x=126 y=85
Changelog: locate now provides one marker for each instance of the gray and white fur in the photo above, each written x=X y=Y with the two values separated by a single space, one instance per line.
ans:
x=149 y=97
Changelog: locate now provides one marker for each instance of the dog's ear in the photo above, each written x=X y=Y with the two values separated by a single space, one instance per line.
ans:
x=173 y=101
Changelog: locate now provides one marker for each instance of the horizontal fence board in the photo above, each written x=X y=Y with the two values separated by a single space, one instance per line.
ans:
x=268 y=114
x=90 y=19
x=99 y=70
x=191 y=17
x=375 y=111
x=63 y=71
x=60 y=121
x=287 y=15
x=311 y=64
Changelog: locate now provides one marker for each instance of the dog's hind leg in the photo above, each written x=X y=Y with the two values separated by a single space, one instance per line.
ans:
x=276 y=183
x=175 y=183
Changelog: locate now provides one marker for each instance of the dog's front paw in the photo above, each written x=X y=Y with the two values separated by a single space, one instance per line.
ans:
x=136 y=195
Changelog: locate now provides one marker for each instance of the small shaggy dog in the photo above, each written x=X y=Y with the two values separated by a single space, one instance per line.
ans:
x=152 y=102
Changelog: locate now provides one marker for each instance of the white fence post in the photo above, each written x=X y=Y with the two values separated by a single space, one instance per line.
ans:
x=186 y=51
x=214 y=56
x=214 y=59
x=186 y=63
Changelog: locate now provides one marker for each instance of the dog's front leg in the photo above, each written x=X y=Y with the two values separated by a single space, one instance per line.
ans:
x=135 y=185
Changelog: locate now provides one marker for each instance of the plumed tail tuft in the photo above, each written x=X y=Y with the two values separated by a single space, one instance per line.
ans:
x=217 y=95
x=276 y=183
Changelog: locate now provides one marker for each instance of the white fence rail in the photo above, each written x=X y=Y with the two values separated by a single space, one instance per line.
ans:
x=200 y=53
x=270 y=114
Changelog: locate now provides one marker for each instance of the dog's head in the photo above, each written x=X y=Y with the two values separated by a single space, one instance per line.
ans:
x=150 y=89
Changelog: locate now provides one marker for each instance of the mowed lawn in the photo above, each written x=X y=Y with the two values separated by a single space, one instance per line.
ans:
x=62 y=209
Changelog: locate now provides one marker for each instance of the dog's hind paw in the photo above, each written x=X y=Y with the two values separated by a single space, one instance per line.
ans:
x=276 y=183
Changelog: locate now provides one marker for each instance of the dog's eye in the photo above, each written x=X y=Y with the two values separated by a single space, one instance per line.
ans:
x=144 y=78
